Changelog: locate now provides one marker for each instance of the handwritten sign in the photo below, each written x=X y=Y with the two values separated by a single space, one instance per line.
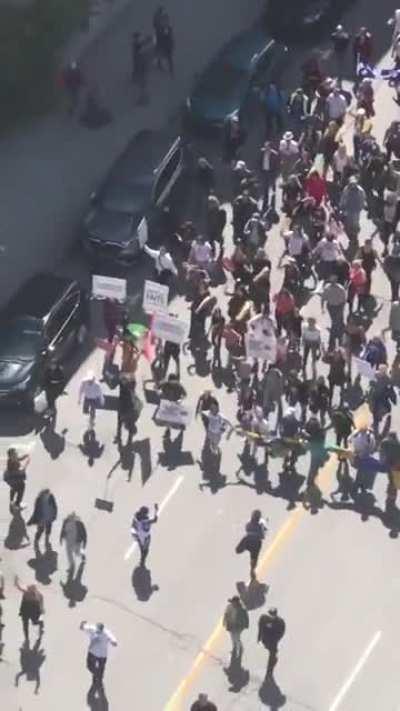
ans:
x=155 y=297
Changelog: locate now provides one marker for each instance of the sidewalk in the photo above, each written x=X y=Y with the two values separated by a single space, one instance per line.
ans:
x=49 y=168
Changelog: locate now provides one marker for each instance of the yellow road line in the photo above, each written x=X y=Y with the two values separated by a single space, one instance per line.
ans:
x=287 y=529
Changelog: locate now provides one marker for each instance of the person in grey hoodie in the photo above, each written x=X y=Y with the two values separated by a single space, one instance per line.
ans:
x=352 y=203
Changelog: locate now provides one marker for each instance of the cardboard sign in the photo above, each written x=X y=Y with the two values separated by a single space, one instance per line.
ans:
x=155 y=297
x=104 y=287
x=261 y=347
x=364 y=368
x=173 y=413
x=169 y=328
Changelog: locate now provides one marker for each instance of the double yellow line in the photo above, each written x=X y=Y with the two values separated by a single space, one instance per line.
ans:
x=283 y=536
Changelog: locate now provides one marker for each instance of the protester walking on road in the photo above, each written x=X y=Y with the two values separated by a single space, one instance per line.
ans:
x=54 y=383
x=164 y=265
x=15 y=477
x=128 y=409
x=91 y=393
x=236 y=619
x=140 y=64
x=141 y=530
x=253 y=539
x=271 y=629
x=165 y=46
x=73 y=532
x=72 y=80
x=44 y=514
x=100 y=640
x=31 y=608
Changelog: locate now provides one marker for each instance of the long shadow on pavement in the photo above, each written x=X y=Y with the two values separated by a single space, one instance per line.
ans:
x=44 y=564
x=17 y=535
x=96 y=698
x=31 y=660
x=141 y=583
x=271 y=695
x=73 y=588
x=237 y=676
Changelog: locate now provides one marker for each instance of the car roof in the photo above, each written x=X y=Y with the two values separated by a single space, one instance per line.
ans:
x=145 y=152
x=240 y=50
x=38 y=295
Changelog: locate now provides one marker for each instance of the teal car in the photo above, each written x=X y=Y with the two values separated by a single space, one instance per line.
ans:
x=229 y=84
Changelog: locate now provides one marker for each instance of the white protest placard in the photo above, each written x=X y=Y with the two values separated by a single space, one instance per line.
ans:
x=104 y=287
x=169 y=328
x=364 y=368
x=173 y=413
x=260 y=346
x=142 y=232
x=155 y=297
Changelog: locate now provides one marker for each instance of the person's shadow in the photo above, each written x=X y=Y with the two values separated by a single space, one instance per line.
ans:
x=96 y=698
x=44 y=564
x=73 y=588
x=91 y=447
x=237 y=676
x=17 y=532
x=53 y=442
x=252 y=595
x=31 y=660
x=141 y=583
x=173 y=456
x=271 y=695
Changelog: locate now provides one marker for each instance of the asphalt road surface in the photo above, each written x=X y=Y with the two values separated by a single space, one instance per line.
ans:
x=330 y=569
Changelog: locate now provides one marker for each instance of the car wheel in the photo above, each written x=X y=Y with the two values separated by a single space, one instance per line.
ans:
x=81 y=335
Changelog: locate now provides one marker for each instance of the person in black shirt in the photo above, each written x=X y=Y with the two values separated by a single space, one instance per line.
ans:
x=340 y=40
x=271 y=629
x=203 y=704
x=54 y=383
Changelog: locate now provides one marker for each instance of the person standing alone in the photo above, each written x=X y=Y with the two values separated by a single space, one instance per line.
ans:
x=236 y=619
x=271 y=629
x=74 y=533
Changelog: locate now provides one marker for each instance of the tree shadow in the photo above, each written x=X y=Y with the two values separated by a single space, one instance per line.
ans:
x=44 y=564
x=73 y=588
x=271 y=695
x=53 y=442
x=96 y=698
x=237 y=676
x=173 y=456
x=252 y=595
x=91 y=447
x=17 y=532
x=141 y=583
x=30 y=661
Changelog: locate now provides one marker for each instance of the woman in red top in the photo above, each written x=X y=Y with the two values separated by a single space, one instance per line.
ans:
x=358 y=285
x=284 y=308
x=315 y=187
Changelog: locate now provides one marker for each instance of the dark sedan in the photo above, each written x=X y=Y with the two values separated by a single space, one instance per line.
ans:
x=229 y=82
x=303 y=19
x=143 y=180
x=46 y=318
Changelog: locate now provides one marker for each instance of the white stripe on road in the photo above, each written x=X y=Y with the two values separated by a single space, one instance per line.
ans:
x=363 y=659
x=174 y=488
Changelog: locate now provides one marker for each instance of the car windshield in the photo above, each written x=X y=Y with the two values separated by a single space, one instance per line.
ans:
x=127 y=198
x=20 y=339
x=223 y=81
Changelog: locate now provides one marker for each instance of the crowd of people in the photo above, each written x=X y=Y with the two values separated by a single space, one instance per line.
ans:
x=320 y=174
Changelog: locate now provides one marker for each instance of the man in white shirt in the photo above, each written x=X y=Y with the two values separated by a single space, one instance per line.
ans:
x=327 y=251
x=288 y=151
x=311 y=339
x=91 y=393
x=200 y=253
x=163 y=264
x=336 y=106
x=100 y=639
x=296 y=242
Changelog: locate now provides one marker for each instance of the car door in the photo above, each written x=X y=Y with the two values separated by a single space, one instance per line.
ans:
x=63 y=323
x=168 y=173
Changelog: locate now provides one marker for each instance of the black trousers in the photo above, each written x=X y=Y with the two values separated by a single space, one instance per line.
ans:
x=17 y=494
x=96 y=666
x=43 y=528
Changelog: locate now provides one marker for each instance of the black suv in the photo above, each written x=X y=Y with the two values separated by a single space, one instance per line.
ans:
x=144 y=179
x=46 y=318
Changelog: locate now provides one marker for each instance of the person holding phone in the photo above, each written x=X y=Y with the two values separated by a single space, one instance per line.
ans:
x=141 y=530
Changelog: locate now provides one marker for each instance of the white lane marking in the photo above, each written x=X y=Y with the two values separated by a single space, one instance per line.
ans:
x=350 y=680
x=174 y=488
